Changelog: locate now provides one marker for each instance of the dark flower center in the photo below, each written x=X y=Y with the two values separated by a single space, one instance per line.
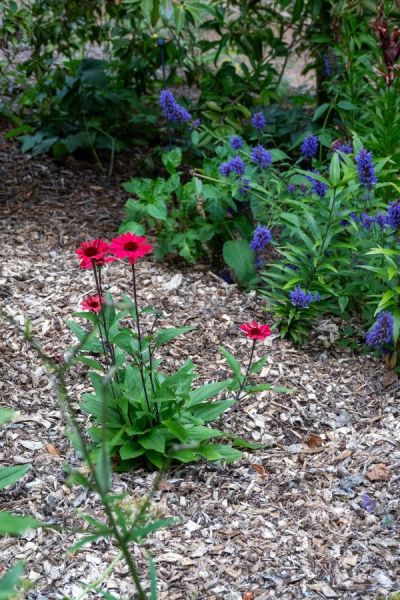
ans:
x=255 y=331
x=131 y=246
x=91 y=251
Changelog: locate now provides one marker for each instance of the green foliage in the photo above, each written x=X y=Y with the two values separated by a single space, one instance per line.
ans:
x=10 y=582
x=9 y=475
x=146 y=415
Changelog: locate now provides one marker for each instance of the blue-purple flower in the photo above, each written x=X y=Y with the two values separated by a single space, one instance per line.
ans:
x=393 y=214
x=291 y=188
x=258 y=121
x=233 y=165
x=318 y=187
x=366 y=169
x=172 y=110
x=301 y=298
x=345 y=148
x=244 y=185
x=368 y=503
x=236 y=142
x=309 y=147
x=261 y=157
x=261 y=237
x=381 y=333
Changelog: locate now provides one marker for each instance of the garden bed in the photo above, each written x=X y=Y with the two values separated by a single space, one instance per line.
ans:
x=288 y=521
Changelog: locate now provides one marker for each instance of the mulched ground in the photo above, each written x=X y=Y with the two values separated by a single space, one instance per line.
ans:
x=285 y=522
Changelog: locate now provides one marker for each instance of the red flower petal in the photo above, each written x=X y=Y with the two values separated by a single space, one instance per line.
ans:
x=254 y=331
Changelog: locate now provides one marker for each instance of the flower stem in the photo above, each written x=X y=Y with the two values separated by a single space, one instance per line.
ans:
x=141 y=366
x=247 y=372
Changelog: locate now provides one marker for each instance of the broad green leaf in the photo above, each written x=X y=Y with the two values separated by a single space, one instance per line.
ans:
x=238 y=255
x=177 y=429
x=209 y=411
x=207 y=391
x=166 y=335
x=6 y=415
x=15 y=524
x=9 y=582
x=9 y=475
x=153 y=440
x=131 y=450
x=184 y=455
x=320 y=110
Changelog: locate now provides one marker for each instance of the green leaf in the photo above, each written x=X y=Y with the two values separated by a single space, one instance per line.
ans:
x=10 y=581
x=209 y=411
x=177 y=429
x=184 y=455
x=15 y=524
x=238 y=255
x=166 y=335
x=9 y=475
x=131 y=450
x=198 y=185
x=343 y=302
x=232 y=362
x=131 y=227
x=228 y=454
x=242 y=443
x=320 y=110
x=153 y=577
x=346 y=105
x=6 y=414
x=334 y=169
x=258 y=365
x=153 y=440
x=172 y=159
x=207 y=391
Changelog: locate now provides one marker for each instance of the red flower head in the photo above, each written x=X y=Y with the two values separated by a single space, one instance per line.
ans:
x=93 y=303
x=96 y=251
x=254 y=331
x=130 y=246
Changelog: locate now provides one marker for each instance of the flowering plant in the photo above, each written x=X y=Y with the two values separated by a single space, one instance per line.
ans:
x=143 y=413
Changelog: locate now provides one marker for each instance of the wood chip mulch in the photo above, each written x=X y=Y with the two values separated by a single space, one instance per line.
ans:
x=284 y=522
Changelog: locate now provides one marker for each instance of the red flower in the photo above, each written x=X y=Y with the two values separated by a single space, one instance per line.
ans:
x=254 y=331
x=95 y=250
x=93 y=303
x=130 y=246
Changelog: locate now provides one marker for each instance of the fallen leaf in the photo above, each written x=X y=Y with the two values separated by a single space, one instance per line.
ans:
x=345 y=454
x=313 y=440
x=52 y=450
x=389 y=378
x=260 y=470
x=379 y=472
x=325 y=588
x=248 y=596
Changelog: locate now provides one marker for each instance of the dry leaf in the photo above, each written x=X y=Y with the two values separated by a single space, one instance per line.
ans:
x=379 y=472
x=389 y=378
x=52 y=450
x=248 y=596
x=345 y=454
x=325 y=588
x=313 y=440
x=260 y=470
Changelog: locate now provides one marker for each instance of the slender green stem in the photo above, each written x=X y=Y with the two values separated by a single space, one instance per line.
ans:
x=139 y=333
x=247 y=372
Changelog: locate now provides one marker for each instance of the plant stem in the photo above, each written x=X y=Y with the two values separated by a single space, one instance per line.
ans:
x=247 y=372
x=141 y=367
